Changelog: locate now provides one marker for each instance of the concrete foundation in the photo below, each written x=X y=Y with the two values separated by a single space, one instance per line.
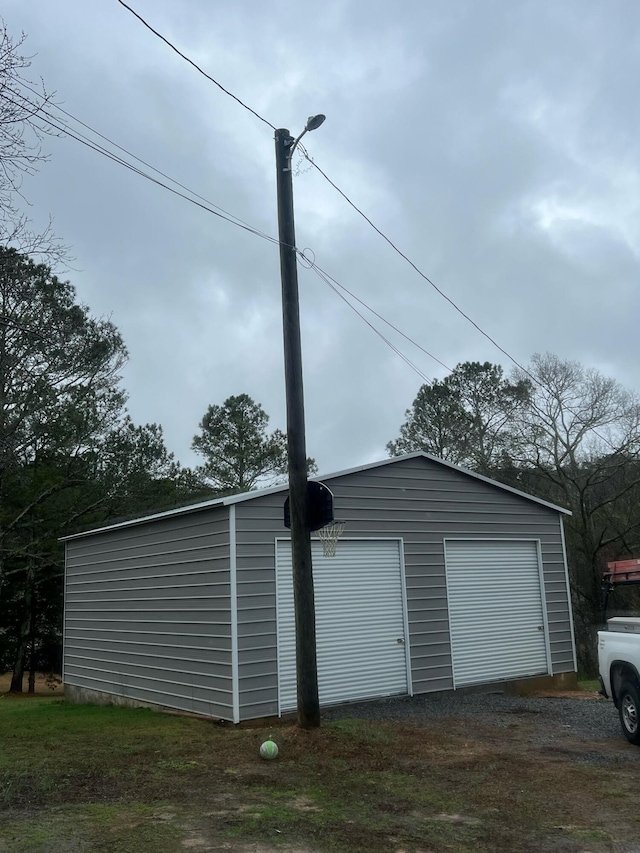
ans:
x=86 y=696
x=562 y=681
x=522 y=687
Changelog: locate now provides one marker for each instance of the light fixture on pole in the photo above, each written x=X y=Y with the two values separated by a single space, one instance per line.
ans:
x=313 y=123
x=303 y=598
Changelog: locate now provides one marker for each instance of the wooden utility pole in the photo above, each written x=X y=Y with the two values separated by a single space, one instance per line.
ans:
x=306 y=665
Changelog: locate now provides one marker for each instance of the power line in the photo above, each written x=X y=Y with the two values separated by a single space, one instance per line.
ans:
x=64 y=128
x=524 y=370
x=337 y=188
x=329 y=280
x=395 y=349
x=416 y=268
x=195 y=65
x=334 y=286
x=78 y=136
x=326 y=276
x=134 y=156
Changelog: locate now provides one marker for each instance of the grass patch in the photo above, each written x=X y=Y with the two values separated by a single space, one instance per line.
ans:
x=590 y=684
x=363 y=731
x=94 y=828
x=589 y=835
x=178 y=764
x=78 y=778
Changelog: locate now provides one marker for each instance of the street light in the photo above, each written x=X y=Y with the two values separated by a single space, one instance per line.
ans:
x=313 y=123
x=306 y=665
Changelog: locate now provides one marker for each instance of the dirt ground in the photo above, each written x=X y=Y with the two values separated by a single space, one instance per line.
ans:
x=46 y=685
x=130 y=781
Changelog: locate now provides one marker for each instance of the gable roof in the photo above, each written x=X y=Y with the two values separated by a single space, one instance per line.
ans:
x=272 y=490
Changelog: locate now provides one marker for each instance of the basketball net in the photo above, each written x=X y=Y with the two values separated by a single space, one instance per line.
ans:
x=329 y=535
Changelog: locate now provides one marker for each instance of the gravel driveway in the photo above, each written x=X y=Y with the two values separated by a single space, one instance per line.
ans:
x=550 y=718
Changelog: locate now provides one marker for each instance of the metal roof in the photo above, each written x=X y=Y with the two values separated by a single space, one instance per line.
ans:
x=258 y=493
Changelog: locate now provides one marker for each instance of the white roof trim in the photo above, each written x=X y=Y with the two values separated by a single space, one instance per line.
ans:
x=272 y=490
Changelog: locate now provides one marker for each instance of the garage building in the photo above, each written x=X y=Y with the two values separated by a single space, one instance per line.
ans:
x=443 y=579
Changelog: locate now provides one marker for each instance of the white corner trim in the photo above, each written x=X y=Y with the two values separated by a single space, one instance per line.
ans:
x=405 y=617
x=64 y=611
x=235 y=675
x=569 y=602
x=543 y=602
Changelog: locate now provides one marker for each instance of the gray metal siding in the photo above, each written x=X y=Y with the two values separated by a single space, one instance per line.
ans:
x=258 y=522
x=147 y=613
x=422 y=502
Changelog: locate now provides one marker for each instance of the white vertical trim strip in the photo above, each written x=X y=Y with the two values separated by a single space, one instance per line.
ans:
x=64 y=609
x=405 y=616
x=543 y=602
x=446 y=584
x=569 y=604
x=279 y=542
x=235 y=675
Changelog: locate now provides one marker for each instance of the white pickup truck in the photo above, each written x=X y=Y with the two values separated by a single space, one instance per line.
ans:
x=619 y=665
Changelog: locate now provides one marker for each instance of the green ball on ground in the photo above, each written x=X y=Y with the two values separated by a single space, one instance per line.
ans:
x=269 y=750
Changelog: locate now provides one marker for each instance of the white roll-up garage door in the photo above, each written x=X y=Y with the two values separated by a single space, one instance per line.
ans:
x=497 y=620
x=360 y=622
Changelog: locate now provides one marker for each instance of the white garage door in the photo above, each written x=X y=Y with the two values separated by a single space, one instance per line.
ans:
x=497 y=622
x=360 y=624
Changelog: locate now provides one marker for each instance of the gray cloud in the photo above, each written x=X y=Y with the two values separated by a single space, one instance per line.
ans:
x=495 y=143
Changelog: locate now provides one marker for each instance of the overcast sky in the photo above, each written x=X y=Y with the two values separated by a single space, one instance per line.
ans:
x=496 y=142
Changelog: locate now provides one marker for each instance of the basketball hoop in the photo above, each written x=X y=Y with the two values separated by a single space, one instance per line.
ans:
x=329 y=535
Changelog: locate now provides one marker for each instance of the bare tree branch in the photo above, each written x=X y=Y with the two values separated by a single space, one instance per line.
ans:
x=23 y=128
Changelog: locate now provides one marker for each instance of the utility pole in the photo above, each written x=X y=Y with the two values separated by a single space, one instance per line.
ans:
x=306 y=664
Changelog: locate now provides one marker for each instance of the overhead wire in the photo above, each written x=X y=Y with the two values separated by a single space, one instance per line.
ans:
x=135 y=157
x=521 y=367
x=195 y=65
x=53 y=121
x=63 y=127
x=395 y=349
x=100 y=149
x=415 y=266
x=341 y=192
x=328 y=278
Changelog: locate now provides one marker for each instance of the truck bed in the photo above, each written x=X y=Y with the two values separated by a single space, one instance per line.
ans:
x=624 y=624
